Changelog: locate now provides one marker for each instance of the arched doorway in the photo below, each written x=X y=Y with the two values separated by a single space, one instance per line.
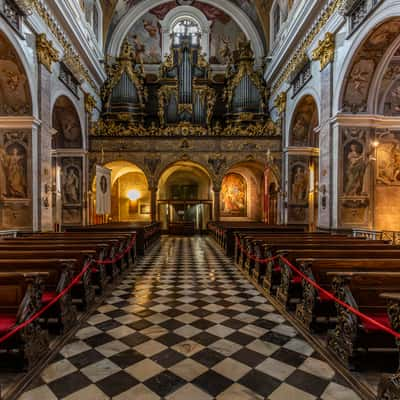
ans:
x=243 y=193
x=68 y=164
x=184 y=198
x=130 y=195
x=303 y=164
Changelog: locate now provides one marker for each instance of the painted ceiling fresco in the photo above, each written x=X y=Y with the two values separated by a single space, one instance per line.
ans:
x=114 y=10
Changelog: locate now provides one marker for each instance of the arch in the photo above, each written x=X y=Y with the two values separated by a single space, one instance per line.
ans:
x=253 y=173
x=374 y=104
x=127 y=179
x=122 y=167
x=235 y=12
x=304 y=120
x=67 y=123
x=184 y=197
x=15 y=84
x=178 y=13
x=385 y=13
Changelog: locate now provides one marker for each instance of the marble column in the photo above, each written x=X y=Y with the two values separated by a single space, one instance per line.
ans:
x=217 y=197
x=325 y=195
x=153 y=198
x=44 y=179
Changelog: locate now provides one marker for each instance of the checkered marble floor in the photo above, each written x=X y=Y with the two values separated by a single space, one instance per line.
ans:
x=185 y=325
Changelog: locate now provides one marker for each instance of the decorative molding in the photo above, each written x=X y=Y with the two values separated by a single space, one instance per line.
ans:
x=280 y=102
x=298 y=56
x=325 y=51
x=48 y=19
x=45 y=51
x=90 y=103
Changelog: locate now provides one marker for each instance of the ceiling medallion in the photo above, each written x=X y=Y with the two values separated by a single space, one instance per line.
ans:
x=184 y=2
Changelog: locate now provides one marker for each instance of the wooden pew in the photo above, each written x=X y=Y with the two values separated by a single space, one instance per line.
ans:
x=114 y=246
x=269 y=275
x=146 y=233
x=99 y=274
x=374 y=293
x=227 y=231
x=84 y=290
x=18 y=302
x=60 y=273
x=312 y=305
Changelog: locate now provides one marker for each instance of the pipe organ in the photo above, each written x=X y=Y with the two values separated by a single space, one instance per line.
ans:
x=186 y=97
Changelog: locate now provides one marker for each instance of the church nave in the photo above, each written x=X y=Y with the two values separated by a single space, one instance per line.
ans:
x=184 y=324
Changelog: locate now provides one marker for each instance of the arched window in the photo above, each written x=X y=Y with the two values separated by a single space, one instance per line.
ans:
x=186 y=29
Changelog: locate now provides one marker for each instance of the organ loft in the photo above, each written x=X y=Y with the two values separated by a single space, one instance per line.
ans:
x=199 y=199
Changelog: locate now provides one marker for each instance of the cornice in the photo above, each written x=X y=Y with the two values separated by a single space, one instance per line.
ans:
x=366 y=120
x=19 y=122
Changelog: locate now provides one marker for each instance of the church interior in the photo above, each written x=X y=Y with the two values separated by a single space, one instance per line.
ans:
x=198 y=199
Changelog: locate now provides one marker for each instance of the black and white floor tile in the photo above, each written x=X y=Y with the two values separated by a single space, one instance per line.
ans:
x=184 y=324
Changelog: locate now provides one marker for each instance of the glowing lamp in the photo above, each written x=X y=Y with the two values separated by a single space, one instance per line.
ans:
x=375 y=144
x=133 y=195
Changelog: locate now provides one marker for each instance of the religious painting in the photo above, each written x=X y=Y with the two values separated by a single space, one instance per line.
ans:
x=14 y=89
x=67 y=124
x=392 y=100
x=71 y=190
x=355 y=166
x=299 y=184
x=71 y=186
x=14 y=162
x=234 y=196
x=388 y=162
x=365 y=63
x=145 y=38
x=223 y=39
x=304 y=122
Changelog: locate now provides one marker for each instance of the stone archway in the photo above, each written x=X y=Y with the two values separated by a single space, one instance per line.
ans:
x=130 y=194
x=184 y=197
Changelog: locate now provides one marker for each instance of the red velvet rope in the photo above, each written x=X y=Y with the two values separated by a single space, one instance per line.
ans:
x=252 y=257
x=342 y=303
x=325 y=292
x=119 y=256
x=74 y=282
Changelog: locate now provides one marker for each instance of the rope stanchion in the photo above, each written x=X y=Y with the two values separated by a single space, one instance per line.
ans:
x=74 y=282
x=340 y=302
x=253 y=257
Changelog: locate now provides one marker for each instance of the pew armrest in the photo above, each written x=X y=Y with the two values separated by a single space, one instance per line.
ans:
x=376 y=273
x=394 y=296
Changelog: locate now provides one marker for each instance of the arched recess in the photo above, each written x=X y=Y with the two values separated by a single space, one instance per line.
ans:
x=130 y=195
x=243 y=192
x=368 y=59
x=68 y=164
x=231 y=9
x=15 y=91
x=304 y=122
x=16 y=181
x=303 y=164
x=66 y=121
x=184 y=197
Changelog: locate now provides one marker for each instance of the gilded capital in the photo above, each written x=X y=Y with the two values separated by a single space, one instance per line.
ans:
x=280 y=102
x=90 y=103
x=325 y=51
x=45 y=51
